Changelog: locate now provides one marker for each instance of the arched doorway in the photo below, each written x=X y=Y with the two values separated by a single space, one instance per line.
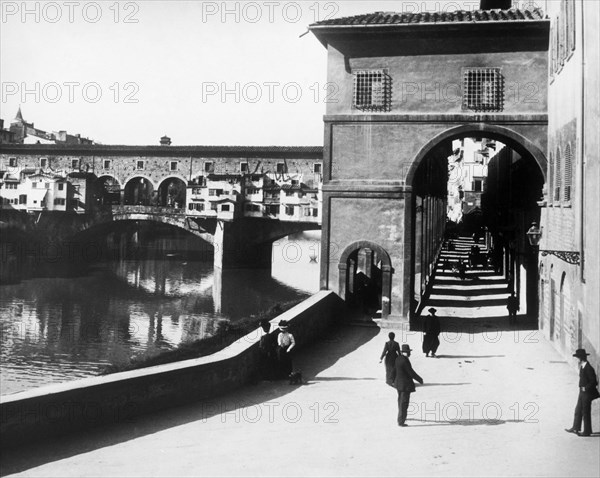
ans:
x=365 y=278
x=497 y=192
x=139 y=191
x=172 y=193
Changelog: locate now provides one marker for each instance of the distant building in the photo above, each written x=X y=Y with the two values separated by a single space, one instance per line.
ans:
x=6 y=136
x=26 y=133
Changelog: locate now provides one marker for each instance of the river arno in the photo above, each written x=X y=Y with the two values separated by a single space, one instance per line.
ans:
x=60 y=329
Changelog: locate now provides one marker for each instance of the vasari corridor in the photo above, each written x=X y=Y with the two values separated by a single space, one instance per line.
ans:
x=317 y=238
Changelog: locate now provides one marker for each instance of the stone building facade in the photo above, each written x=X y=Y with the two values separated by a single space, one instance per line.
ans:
x=409 y=84
x=569 y=292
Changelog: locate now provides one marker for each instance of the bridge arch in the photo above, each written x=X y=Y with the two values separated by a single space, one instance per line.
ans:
x=510 y=137
x=378 y=282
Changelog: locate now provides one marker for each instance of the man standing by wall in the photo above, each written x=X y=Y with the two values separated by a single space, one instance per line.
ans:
x=587 y=393
x=403 y=380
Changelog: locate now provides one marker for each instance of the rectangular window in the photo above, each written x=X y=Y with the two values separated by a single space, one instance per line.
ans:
x=214 y=207
x=60 y=201
x=317 y=167
x=47 y=185
x=61 y=186
x=193 y=206
x=243 y=167
x=289 y=210
x=174 y=166
x=209 y=167
x=477 y=185
x=75 y=164
x=23 y=199
x=141 y=164
x=483 y=89
x=12 y=162
x=225 y=208
x=281 y=168
x=33 y=185
x=289 y=193
x=107 y=163
x=372 y=90
x=43 y=162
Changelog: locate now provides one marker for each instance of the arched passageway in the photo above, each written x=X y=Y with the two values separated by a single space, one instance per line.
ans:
x=172 y=193
x=139 y=191
x=365 y=275
x=484 y=186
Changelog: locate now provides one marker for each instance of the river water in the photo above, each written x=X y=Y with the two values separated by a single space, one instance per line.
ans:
x=59 y=329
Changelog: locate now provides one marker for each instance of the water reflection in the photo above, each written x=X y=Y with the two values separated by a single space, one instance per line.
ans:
x=58 y=329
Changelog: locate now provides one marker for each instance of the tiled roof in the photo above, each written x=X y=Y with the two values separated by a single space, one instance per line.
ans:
x=459 y=16
x=159 y=150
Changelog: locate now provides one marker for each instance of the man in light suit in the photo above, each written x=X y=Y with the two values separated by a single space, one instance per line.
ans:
x=587 y=392
x=403 y=377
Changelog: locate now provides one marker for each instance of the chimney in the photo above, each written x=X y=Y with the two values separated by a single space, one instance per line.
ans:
x=165 y=141
x=495 y=4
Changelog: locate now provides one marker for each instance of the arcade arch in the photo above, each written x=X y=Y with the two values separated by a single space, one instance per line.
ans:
x=502 y=205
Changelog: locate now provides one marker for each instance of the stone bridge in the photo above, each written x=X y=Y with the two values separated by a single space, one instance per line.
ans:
x=243 y=242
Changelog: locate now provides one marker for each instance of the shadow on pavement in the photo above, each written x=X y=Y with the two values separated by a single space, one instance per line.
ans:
x=461 y=422
x=475 y=325
x=338 y=342
x=469 y=356
x=426 y=384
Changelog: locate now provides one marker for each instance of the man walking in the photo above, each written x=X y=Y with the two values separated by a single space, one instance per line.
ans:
x=587 y=392
x=512 y=305
x=403 y=380
x=431 y=329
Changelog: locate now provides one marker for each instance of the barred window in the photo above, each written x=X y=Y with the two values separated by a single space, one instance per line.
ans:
x=557 y=176
x=483 y=89
x=372 y=90
x=568 y=174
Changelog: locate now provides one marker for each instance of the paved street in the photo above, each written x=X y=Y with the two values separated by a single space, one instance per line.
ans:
x=493 y=404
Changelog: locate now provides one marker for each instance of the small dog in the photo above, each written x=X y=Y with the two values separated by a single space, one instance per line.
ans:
x=296 y=378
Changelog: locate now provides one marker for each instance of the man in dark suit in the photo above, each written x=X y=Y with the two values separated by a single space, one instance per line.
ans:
x=431 y=329
x=587 y=392
x=403 y=377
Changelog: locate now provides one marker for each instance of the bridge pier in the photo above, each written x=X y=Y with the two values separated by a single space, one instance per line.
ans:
x=233 y=248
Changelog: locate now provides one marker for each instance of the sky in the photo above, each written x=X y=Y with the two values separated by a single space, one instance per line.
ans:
x=201 y=72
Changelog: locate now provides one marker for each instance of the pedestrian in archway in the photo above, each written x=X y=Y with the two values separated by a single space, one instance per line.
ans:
x=588 y=392
x=285 y=344
x=391 y=351
x=431 y=329
x=512 y=305
x=403 y=381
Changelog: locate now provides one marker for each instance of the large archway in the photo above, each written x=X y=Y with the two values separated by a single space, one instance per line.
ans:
x=497 y=209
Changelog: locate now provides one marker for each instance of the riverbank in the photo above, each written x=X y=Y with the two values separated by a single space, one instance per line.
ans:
x=226 y=333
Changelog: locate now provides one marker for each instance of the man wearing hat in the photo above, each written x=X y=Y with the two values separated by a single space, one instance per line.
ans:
x=403 y=377
x=587 y=392
x=431 y=328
